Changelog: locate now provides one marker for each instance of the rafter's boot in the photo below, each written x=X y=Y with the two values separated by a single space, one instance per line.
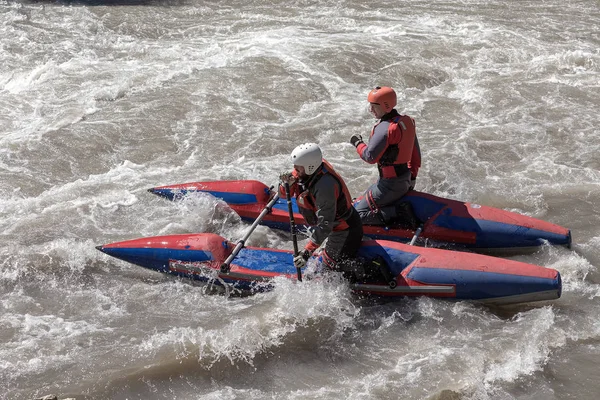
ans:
x=378 y=270
x=405 y=216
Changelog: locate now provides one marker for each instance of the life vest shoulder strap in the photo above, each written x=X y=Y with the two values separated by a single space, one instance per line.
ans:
x=400 y=127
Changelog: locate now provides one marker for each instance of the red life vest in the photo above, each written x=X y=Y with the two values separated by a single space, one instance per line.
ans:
x=415 y=160
x=306 y=200
x=400 y=147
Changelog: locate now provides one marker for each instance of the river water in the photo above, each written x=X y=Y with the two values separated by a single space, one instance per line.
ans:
x=100 y=101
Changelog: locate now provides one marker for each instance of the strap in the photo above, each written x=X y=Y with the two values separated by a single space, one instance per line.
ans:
x=392 y=171
x=371 y=202
x=328 y=261
x=374 y=207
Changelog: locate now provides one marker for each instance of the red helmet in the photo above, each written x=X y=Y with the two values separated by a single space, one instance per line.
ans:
x=384 y=96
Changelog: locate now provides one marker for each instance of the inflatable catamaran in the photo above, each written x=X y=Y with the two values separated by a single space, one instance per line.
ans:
x=443 y=221
x=416 y=271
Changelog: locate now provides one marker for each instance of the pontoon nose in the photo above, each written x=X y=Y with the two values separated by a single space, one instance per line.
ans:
x=167 y=193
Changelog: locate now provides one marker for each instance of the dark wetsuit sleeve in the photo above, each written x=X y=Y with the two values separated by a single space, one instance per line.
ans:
x=377 y=144
x=325 y=193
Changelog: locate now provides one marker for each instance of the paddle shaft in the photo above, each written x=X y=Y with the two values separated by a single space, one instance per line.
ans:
x=417 y=233
x=288 y=197
x=241 y=243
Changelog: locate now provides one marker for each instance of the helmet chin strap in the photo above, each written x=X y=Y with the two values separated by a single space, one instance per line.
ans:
x=303 y=178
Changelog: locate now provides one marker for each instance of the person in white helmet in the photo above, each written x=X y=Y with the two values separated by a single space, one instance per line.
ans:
x=325 y=203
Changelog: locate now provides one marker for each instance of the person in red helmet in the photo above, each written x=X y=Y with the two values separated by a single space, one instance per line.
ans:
x=394 y=147
x=325 y=203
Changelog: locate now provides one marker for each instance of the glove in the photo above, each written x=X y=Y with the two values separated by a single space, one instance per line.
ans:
x=356 y=140
x=301 y=259
x=287 y=177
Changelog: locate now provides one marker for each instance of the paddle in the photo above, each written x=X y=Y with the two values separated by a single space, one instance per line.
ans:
x=240 y=244
x=288 y=196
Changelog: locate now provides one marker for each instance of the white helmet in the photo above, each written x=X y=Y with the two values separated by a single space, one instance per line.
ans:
x=309 y=156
